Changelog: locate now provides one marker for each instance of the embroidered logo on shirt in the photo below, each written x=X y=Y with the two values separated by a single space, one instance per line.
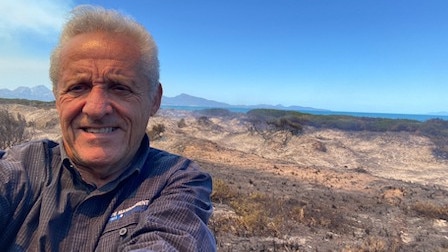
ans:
x=137 y=207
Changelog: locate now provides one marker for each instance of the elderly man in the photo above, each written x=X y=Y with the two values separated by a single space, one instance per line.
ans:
x=102 y=188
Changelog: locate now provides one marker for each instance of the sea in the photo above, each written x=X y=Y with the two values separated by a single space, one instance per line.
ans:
x=417 y=117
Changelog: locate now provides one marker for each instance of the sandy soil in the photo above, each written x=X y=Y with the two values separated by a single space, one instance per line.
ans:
x=356 y=191
x=370 y=185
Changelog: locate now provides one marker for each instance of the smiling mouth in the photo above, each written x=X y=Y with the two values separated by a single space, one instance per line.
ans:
x=99 y=130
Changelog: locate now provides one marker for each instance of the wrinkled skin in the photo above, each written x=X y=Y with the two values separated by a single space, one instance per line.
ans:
x=103 y=103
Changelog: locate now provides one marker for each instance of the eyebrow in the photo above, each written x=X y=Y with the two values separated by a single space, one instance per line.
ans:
x=77 y=76
x=111 y=76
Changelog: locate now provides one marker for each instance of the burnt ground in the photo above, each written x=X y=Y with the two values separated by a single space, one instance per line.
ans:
x=321 y=190
x=275 y=202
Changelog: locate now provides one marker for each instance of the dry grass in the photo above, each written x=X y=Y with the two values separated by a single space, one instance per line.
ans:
x=374 y=244
x=431 y=210
x=262 y=214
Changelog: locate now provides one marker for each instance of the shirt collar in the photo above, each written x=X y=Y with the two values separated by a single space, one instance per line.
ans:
x=135 y=167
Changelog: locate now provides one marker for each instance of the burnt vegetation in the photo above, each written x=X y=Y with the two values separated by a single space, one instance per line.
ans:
x=31 y=103
x=254 y=211
x=294 y=122
x=262 y=120
x=12 y=129
x=258 y=213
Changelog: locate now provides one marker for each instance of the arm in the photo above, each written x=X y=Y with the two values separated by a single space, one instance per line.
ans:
x=6 y=212
x=22 y=174
x=4 y=203
x=177 y=219
x=15 y=199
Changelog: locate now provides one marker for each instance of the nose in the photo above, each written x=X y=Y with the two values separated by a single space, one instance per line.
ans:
x=97 y=103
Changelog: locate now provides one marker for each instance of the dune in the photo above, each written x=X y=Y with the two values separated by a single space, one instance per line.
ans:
x=317 y=190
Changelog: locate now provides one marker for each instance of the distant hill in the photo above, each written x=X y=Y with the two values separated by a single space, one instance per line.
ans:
x=38 y=93
x=441 y=113
x=188 y=100
x=42 y=93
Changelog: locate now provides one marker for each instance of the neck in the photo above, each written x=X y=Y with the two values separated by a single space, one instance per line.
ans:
x=98 y=179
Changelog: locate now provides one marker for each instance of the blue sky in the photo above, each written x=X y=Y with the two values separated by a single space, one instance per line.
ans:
x=343 y=55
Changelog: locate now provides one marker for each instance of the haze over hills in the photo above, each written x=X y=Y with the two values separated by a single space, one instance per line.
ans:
x=188 y=100
x=39 y=93
x=42 y=93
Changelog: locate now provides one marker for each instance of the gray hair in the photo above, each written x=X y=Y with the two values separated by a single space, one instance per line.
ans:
x=87 y=18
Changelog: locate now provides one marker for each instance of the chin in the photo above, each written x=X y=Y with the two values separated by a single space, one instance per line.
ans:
x=105 y=158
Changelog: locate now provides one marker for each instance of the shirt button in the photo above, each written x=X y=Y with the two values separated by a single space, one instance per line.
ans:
x=123 y=231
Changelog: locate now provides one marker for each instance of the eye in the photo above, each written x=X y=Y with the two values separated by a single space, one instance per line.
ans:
x=120 y=89
x=78 y=89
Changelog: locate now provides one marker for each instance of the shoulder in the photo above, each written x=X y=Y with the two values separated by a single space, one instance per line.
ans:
x=172 y=167
x=166 y=161
x=176 y=169
x=27 y=159
x=27 y=151
x=157 y=155
x=26 y=165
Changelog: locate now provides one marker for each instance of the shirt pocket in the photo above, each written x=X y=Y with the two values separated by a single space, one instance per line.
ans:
x=117 y=232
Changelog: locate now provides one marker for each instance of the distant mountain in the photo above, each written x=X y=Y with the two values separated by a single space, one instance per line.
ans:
x=42 y=93
x=39 y=93
x=441 y=113
x=188 y=100
x=192 y=101
x=280 y=107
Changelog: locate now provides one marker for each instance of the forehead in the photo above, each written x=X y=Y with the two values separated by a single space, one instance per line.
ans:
x=100 y=45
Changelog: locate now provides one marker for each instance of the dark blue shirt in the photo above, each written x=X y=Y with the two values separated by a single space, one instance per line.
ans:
x=160 y=203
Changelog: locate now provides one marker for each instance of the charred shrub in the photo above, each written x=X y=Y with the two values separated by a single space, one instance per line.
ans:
x=204 y=121
x=12 y=129
x=215 y=112
x=181 y=123
x=437 y=131
x=290 y=124
x=270 y=119
x=156 y=131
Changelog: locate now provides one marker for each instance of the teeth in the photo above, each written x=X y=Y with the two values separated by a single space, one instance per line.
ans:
x=99 y=130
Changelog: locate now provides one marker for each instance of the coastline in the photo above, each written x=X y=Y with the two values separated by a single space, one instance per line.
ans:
x=417 y=117
x=321 y=190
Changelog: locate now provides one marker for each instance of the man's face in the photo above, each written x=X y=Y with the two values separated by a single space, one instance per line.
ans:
x=103 y=101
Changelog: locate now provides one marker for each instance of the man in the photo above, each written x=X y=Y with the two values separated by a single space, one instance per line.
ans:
x=102 y=188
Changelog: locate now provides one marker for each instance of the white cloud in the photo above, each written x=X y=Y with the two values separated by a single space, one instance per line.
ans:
x=37 y=16
x=28 y=29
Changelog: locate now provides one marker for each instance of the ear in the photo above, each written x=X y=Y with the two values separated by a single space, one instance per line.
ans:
x=56 y=100
x=157 y=99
